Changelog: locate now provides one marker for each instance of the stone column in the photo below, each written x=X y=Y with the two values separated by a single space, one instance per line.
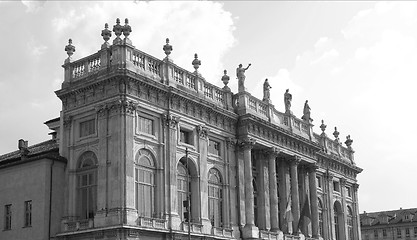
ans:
x=264 y=219
x=284 y=193
x=295 y=198
x=273 y=192
x=250 y=230
x=313 y=199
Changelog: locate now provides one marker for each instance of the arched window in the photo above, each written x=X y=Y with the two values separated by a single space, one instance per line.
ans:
x=145 y=183
x=350 y=223
x=87 y=185
x=183 y=184
x=215 y=196
x=320 y=210
x=337 y=208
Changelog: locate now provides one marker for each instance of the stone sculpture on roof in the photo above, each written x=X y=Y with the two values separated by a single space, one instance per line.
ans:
x=287 y=101
x=240 y=73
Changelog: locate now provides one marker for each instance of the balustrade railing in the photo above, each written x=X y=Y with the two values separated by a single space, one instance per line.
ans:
x=152 y=222
x=223 y=232
x=85 y=66
x=78 y=225
x=194 y=227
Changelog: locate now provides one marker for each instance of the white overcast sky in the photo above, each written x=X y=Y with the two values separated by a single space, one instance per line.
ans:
x=356 y=63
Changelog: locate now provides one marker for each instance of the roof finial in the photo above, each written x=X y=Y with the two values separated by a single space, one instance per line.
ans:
x=126 y=31
x=167 y=49
x=196 y=63
x=323 y=127
x=106 y=34
x=70 y=49
x=348 y=142
x=336 y=134
x=117 y=29
x=225 y=80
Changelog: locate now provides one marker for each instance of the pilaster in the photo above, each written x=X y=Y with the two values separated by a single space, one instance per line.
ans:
x=285 y=193
x=202 y=132
x=264 y=219
x=170 y=123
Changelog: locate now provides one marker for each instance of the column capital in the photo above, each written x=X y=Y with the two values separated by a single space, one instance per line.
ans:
x=171 y=121
x=102 y=110
x=295 y=160
x=203 y=131
x=343 y=182
x=355 y=187
x=272 y=151
x=312 y=167
x=247 y=143
x=67 y=121
x=230 y=142
x=329 y=176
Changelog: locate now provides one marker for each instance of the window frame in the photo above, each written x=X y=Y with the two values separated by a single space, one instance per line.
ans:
x=27 y=214
x=85 y=121
x=89 y=188
x=215 y=198
x=188 y=139
x=8 y=213
x=150 y=186
x=149 y=118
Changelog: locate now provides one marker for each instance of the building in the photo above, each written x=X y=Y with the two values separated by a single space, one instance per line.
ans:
x=396 y=224
x=154 y=151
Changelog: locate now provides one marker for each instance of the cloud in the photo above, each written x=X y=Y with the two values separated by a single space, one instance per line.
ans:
x=34 y=5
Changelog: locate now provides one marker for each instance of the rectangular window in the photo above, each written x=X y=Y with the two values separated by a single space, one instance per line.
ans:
x=349 y=191
x=415 y=231
x=318 y=180
x=87 y=127
x=376 y=233
x=384 y=233
x=8 y=217
x=214 y=147
x=407 y=232
x=28 y=214
x=146 y=125
x=398 y=233
x=186 y=137
x=336 y=186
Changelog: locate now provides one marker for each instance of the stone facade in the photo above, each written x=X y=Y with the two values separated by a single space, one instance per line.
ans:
x=395 y=224
x=143 y=137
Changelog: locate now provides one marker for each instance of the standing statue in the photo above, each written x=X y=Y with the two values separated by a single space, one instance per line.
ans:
x=287 y=101
x=240 y=72
x=267 y=94
x=306 y=112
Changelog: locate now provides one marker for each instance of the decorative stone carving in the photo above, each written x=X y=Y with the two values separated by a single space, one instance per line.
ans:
x=126 y=29
x=202 y=131
x=267 y=93
x=348 y=142
x=171 y=121
x=123 y=106
x=323 y=127
x=306 y=112
x=225 y=80
x=102 y=110
x=247 y=143
x=287 y=101
x=67 y=121
x=196 y=63
x=230 y=142
x=342 y=182
x=117 y=29
x=240 y=73
x=106 y=34
x=70 y=49
x=272 y=151
x=336 y=134
x=167 y=48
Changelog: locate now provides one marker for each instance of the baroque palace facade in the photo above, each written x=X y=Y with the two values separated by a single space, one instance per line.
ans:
x=148 y=150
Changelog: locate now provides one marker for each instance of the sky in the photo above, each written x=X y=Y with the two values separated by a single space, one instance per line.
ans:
x=355 y=62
